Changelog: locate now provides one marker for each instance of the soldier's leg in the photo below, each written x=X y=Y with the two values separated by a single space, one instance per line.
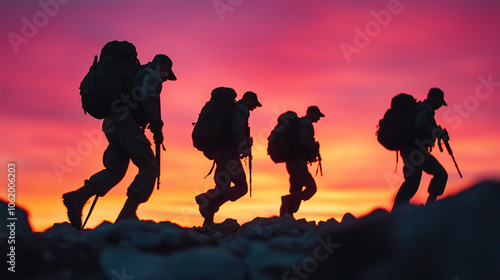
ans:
x=295 y=189
x=440 y=177
x=210 y=201
x=116 y=162
x=301 y=178
x=230 y=170
x=238 y=177
x=138 y=149
x=412 y=171
x=309 y=184
x=294 y=169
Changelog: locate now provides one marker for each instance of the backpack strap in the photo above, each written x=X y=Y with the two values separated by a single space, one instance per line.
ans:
x=211 y=169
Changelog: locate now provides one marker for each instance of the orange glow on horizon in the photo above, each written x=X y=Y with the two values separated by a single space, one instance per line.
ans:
x=289 y=54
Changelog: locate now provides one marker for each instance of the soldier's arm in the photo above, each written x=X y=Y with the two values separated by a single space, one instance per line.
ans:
x=151 y=93
x=423 y=121
x=306 y=136
x=239 y=125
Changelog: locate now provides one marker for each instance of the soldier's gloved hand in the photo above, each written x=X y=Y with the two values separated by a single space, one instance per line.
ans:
x=156 y=126
x=439 y=133
x=316 y=149
x=445 y=136
x=245 y=152
x=156 y=129
x=158 y=137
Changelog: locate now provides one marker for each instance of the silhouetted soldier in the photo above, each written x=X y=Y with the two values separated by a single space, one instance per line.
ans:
x=227 y=158
x=124 y=130
x=416 y=155
x=308 y=151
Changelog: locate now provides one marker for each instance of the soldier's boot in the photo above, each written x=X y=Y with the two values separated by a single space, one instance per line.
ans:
x=209 y=219
x=203 y=202
x=209 y=204
x=295 y=201
x=74 y=202
x=129 y=210
x=285 y=205
x=431 y=199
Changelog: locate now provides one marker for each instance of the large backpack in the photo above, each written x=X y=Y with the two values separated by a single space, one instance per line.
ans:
x=283 y=141
x=397 y=128
x=213 y=126
x=109 y=79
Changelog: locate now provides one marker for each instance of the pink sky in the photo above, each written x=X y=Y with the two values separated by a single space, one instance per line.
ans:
x=290 y=53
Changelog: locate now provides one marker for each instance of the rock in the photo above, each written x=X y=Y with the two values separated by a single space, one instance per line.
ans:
x=20 y=248
x=455 y=238
x=348 y=218
x=191 y=264
x=229 y=226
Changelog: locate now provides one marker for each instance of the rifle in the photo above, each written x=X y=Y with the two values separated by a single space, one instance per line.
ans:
x=445 y=139
x=250 y=156
x=320 y=167
x=158 y=150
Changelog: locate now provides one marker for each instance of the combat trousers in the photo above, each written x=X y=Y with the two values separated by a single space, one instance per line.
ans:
x=417 y=161
x=229 y=169
x=127 y=142
x=299 y=178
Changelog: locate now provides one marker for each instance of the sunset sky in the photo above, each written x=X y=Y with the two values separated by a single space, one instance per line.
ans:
x=347 y=57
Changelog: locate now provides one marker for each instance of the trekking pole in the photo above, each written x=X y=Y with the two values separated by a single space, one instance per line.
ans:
x=448 y=148
x=90 y=211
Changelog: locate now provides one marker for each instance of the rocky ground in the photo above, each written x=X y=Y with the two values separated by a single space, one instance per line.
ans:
x=457 y=238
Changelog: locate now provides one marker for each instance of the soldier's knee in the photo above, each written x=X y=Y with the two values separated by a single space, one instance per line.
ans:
x=243 y=189
x=442 y=175
x=240 y=190
x=155 y=168
x=314 y=189
x=149 y=169
x=118 y=171
x=309 y=192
